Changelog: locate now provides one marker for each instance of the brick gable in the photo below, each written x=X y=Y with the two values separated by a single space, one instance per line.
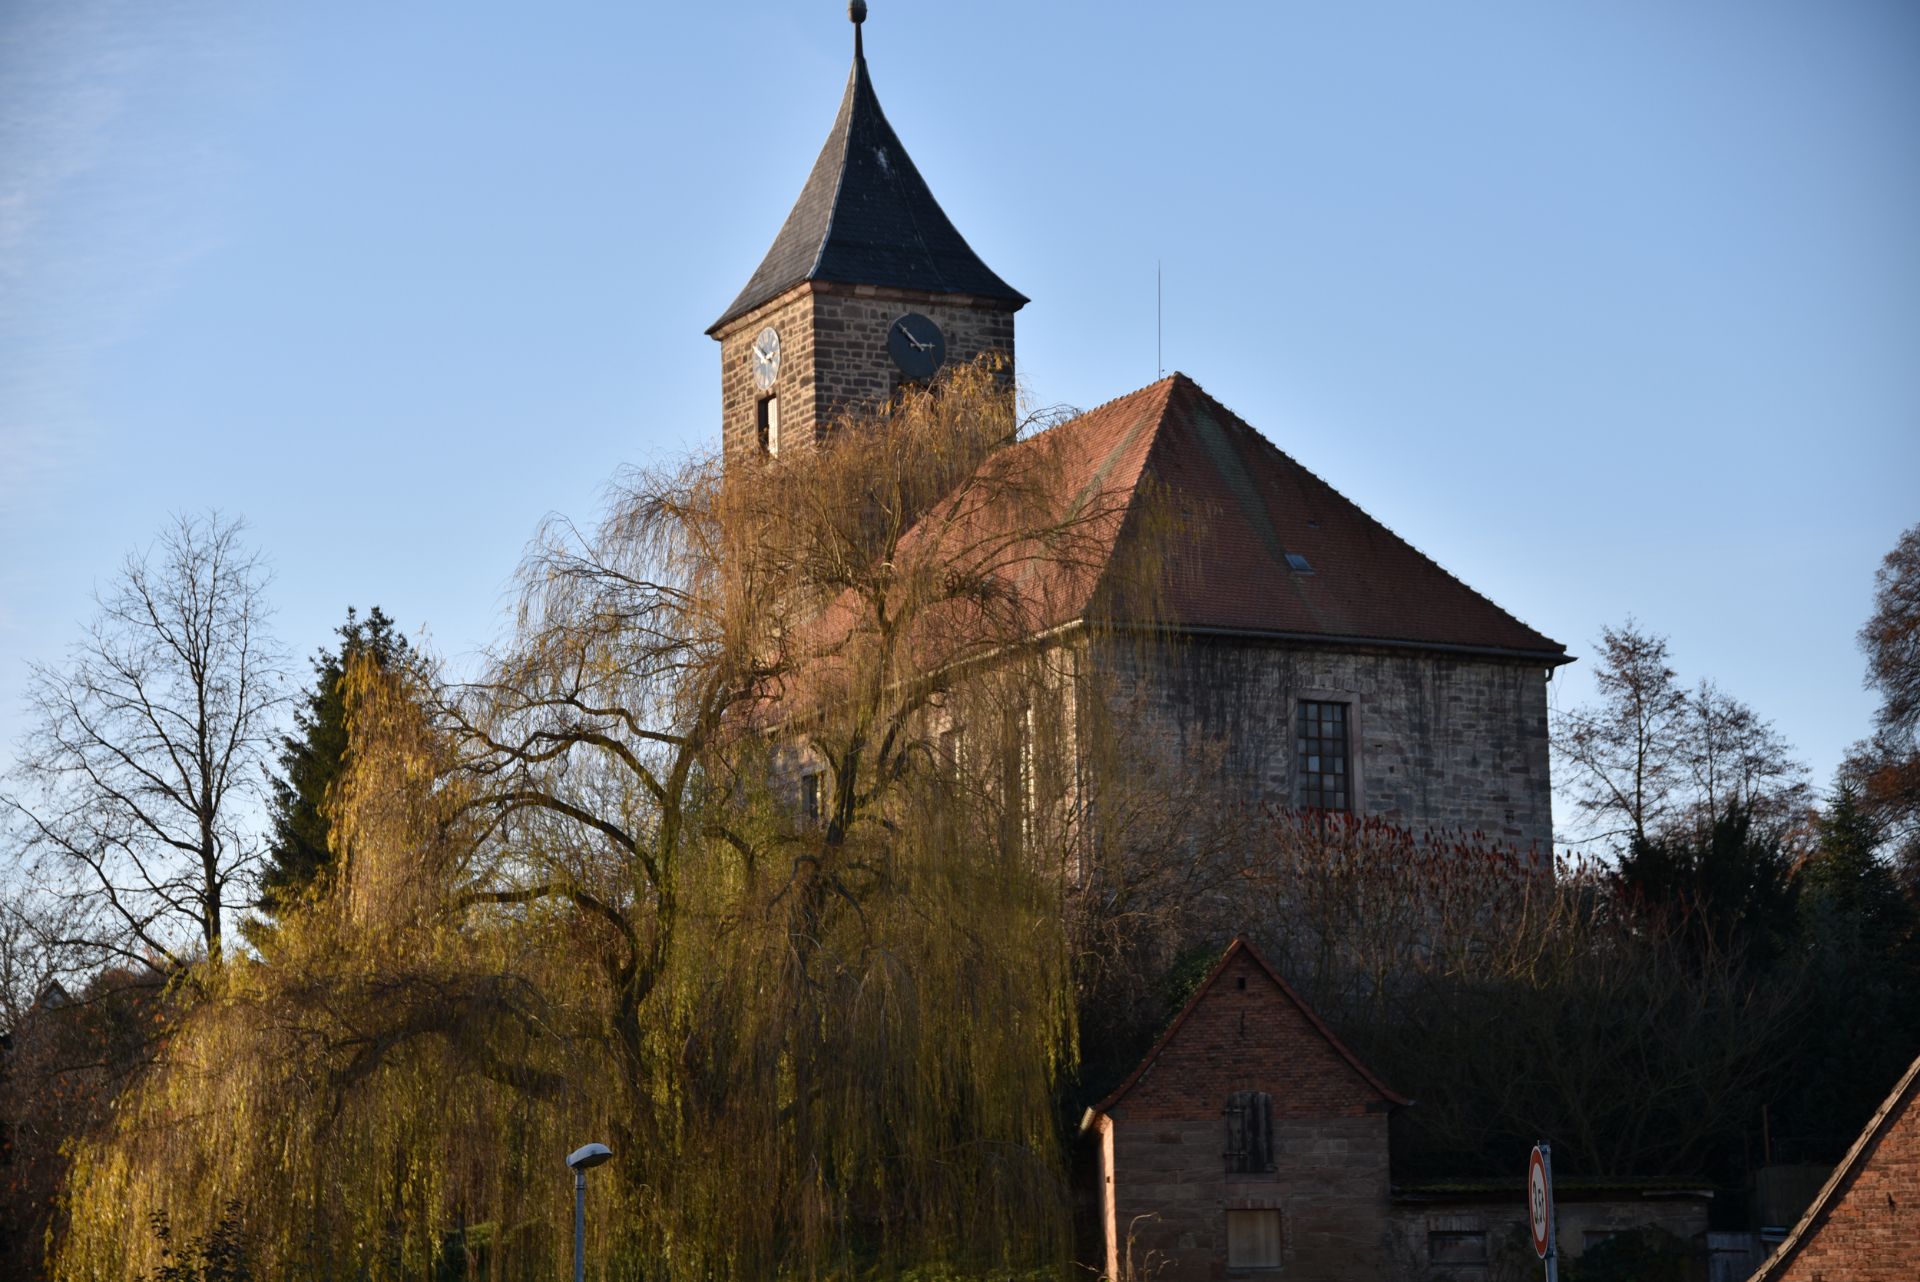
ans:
x=1245 y=1029
x=1865 y=1224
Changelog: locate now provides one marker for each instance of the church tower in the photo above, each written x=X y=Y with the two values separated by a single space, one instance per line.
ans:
x=867 y=287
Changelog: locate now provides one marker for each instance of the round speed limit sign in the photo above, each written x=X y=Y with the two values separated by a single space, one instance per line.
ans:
x=1540 y=1202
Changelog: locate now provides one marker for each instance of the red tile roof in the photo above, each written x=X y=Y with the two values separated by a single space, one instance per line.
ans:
x=1243 y=505
x=1239 y=507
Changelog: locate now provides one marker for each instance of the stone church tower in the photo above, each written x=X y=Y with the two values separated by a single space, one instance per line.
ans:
x=1321 y=660
x=867 y=287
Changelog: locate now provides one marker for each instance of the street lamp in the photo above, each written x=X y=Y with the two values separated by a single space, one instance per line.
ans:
x=583 y=1160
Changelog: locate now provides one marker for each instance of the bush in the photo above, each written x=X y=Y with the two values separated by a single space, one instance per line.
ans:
x=220 y=1256
x=1642 y=1255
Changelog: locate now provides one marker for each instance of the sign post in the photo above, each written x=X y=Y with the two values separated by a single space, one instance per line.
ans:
x=1540 y=1208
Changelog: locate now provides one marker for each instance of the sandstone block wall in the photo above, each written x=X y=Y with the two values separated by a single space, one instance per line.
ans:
x=1439 y=741
x=833 y=355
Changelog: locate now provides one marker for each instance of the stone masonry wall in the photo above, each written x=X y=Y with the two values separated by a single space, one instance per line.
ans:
x=1438 y=741
x=833 y=355
x=1578 y=1224
x=792 y=315
x=851 y=365
x=1164 y=1175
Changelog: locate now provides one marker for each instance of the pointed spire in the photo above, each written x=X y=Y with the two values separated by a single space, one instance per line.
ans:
x=867 y=217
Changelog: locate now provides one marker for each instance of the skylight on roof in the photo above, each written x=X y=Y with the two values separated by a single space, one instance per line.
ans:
x=1298 y=564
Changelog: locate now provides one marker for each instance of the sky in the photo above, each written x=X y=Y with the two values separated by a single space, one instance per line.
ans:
x=1612 y=307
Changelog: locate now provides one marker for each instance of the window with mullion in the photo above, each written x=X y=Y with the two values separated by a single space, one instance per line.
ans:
x=1324 y=781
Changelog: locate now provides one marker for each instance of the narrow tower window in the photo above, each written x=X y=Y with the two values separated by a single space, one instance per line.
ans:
x=770 y=426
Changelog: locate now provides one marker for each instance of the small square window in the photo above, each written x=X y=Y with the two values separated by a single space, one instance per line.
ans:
x=1299 y=564
x=1253 y=1239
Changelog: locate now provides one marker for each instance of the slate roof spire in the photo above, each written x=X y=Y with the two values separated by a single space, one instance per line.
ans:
x=867 y=217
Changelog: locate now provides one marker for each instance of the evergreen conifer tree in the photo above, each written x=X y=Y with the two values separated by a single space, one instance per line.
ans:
x=1861 y=965
x=311 y=758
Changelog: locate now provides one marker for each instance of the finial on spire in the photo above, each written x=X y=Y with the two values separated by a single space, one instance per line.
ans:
x=857 y=10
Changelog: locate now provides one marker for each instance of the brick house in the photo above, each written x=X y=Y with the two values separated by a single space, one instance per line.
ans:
x=1249 y=1140
x=1321 y=659
x=1864 y=1226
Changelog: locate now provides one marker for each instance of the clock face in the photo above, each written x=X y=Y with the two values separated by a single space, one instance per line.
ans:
x=917 y=346
x=766 y=358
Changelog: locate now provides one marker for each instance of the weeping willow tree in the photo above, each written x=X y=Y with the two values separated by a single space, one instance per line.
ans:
x=378 y=1094
x=750 y=855
x=838 y=996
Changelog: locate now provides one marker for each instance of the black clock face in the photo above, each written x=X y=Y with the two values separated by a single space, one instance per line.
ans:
x=917 y=346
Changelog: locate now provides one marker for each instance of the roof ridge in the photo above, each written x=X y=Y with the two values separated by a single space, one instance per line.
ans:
x=848 y=105
x=1079 y=414
x=1406 y=542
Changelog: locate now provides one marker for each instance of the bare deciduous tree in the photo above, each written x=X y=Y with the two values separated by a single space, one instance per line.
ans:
x=37 y=959
x=1651 y=757
x=1888 y=765
x=1735 y=758
x=148 y=747
x=1624 y=752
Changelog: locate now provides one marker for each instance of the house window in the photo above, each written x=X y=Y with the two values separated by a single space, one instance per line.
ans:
x=1253 y=1239
x=812 y=800
x=1249 y=1133
x=1457 y=1246
x=770 y=426
x=1321 y=761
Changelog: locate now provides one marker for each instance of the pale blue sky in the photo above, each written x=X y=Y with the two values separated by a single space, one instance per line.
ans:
x=1609 y=307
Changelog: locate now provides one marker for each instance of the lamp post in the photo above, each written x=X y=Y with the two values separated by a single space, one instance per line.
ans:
x=583 y=1160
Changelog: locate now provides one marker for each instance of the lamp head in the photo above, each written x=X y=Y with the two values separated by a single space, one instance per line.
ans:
x=588 y=1157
